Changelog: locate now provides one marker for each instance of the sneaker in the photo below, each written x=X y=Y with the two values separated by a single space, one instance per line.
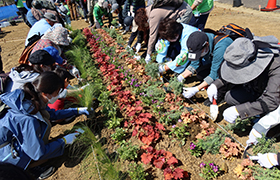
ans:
x=41 y=172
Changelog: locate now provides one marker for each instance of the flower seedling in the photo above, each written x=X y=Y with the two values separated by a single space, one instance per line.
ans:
x=195 y=149
x=180 y=133
x=230 y=149
x=119 y=134
x=209 y=170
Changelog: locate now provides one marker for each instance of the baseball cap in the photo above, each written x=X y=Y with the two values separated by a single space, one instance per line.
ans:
x=41 y=57
x=195 y=43
x=54 y=53
x=127 y=22
x=114 y=7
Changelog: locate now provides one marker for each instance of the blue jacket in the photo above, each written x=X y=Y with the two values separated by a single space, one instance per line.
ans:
x=28 y=131
x=215 y=57
x=179 y=64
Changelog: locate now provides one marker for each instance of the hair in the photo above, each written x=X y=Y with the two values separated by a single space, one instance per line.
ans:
x=169 y=29
x=25 y=67
x=63 y=73
x=141 y=19
x=47 y=82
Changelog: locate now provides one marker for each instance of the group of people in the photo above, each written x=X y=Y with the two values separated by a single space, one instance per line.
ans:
x=32 y=100
x=243 y=72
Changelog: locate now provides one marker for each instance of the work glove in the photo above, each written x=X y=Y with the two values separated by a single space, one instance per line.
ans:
x=190 y=92
x=148 y=58
x=128 y=48
x=138 y=47
x=230 y=114
x=133 y=14
x=253 y=137
x=180 y=78
x=75 y=72
x=69 y=138
x=212 y=92
x=267 y=160
x=83 y=87
x=84 y=110
x=161 y=68
x=137 y=57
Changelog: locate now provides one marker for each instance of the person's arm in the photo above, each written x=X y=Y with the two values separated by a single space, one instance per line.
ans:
x=33 y=144
x=196 y=3
x=61 y=114
x=153 y=25
x=270 y=98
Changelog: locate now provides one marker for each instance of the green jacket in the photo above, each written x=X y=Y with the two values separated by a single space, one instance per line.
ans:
x=20 y=4
x=205 y=6
x=98 y=12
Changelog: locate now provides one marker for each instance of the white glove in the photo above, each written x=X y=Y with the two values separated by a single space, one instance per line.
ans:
x=69 y=139
x=161 y=68
x=138 y=47
x=84 y=110
x=128 y=48
x=212 y=92
x=230 y=114
x=253 y=137
x=80 y=130
x=137 y=57
x=267 y=160
x=190 y=92
x=148 y=58
x=157 y=44
x=132 y=14
x=75 y=72
x=180 y=78
x=83 y=87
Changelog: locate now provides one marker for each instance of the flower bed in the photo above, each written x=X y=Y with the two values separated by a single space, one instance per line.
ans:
x=154 y=129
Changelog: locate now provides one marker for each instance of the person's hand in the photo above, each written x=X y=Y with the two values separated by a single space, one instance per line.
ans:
x=230 y=114
x=132 y=14
x=75 y=72
x=84 y=110
x=69 y=138
x=253 y=137
x=148 y=58
x=83 y=87
x=212 y=92
x=190 y=92
x=180 y=78
x=267 y=160
x=138 y=47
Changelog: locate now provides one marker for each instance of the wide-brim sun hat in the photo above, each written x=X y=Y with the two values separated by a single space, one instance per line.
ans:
x=59 y=36
x=242 y=63
x=50 y=17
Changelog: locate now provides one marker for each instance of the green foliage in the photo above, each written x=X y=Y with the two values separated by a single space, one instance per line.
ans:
x=170 y=117
x=114 y=22
x=264 y=173
x=85 y=145
x=176 y=86
x=209 y=170
x=86 y=97
x=137 y=171
x=113 y=33
x=180 y=133
x=240 y=125
x=152 y=70
x=195 y=149
x=80 y=40
x=211 y=144
x=119 y=134
x=151 y=93
x=74 y=33
x=127 y=151
x=264 y=146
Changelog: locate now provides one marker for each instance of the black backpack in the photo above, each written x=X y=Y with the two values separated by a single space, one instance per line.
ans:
x=172 y=3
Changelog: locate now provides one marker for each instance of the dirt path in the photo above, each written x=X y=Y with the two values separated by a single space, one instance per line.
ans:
x=12 y=43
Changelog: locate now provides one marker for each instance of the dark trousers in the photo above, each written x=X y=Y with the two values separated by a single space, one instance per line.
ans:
x=84 y=7
x=174 y=49
x=23 y=11
x=199 y=22
x=133 y=36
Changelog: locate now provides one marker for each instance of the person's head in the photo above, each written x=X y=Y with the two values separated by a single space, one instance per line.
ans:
x=243 y=61
x=198 y=45
x=41 y=61
x=44 y=88
x=103 y=4
x=54 y=53
x=64 y=75
x=50 y=18
x=170 y=30
x=141 y=19
x=115 y=8
x=59 y=36
x=127 y=22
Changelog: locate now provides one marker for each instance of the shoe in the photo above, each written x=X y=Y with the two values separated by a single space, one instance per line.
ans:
x=207 y=102
x=41 y=172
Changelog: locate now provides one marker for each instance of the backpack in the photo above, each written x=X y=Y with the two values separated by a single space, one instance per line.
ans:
x=172 y=3
x=23 y=59
x=233 y=31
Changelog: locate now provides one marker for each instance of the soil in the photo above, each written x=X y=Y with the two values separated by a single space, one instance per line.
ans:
x=260 y=23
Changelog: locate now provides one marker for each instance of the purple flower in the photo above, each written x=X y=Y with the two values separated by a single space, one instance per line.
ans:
x=136 y=85
x=132 y=75
x=158 y=106
x=174 y=126
x=215 y=168
x=202 y=165
x=122 y=67
x=151 y=95
x=179 y=120
x=211 y=164
x=131 y=83
x=125 y=79
x=145 y=95
x=192 y=146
